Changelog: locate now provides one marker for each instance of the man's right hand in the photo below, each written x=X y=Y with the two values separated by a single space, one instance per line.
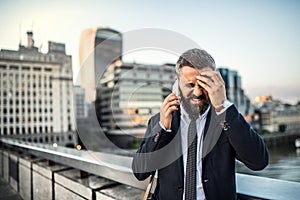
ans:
x=169 y=105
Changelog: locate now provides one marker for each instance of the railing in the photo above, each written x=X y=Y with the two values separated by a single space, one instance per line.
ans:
x=118 y=169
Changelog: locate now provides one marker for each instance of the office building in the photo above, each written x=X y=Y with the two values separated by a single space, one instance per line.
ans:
x=98 y=48
x=80 y=105
x=234 y=91
x=276 y=116
x=130 y=94
x=36 y=94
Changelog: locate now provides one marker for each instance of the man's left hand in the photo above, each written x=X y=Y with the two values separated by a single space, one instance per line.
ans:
x=213 y=83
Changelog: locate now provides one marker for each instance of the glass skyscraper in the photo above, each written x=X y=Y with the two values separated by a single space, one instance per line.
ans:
x=234 y=90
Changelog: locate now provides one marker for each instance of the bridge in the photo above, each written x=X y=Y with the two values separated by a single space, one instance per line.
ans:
x=41 y=171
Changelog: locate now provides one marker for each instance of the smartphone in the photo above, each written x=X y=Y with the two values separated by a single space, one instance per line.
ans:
x=175 y=89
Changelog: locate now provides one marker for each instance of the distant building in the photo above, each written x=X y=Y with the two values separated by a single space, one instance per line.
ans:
x=234 y=91
x=130 y=94
x=276 y=116
x=80 y=105
x=98 y=48
x=36 y=94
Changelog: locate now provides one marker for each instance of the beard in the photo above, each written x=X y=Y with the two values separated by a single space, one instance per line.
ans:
x=195 y=109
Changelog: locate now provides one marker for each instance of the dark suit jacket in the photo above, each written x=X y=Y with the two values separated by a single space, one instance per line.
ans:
x=221 y=146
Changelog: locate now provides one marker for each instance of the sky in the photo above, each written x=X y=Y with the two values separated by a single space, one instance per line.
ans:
x=258 y=38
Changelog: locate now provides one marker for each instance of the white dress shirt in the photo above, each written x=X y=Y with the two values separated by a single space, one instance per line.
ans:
x=184 y=126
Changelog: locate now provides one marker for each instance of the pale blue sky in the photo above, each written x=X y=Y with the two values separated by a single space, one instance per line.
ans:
x=260 y=39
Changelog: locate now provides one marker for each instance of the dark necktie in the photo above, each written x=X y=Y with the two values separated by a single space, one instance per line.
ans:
x=190 y=187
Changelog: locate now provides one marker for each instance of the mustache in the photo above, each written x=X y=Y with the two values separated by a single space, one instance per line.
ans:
x=201 y=97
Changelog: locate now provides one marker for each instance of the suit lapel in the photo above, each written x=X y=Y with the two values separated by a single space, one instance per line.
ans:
x=179 y=161
x=212 y=131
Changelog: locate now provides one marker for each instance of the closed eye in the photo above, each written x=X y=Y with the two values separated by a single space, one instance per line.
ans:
x=190 y=85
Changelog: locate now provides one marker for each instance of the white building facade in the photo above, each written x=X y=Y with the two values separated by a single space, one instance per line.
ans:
x=36 y=94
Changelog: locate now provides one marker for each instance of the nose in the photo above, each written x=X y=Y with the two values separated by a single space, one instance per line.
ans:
x=197 y=90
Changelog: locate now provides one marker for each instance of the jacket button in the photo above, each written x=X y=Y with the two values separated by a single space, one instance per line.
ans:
x=205 y=180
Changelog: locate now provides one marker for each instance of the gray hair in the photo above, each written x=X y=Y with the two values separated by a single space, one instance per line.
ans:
x=196 y=58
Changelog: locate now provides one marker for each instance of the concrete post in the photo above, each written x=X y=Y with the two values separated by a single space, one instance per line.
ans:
x=6 y=166
x=42 y=179
x=70 y=184
x=14 y=171
x=1 y=163
x=25 y=176
x=118 y=192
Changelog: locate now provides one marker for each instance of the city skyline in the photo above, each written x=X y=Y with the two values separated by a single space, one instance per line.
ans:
x=258 y=39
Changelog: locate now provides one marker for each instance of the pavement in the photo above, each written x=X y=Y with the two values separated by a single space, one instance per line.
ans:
x=6 y=192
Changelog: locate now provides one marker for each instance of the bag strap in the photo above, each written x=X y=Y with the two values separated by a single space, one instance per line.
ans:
x=147 y=192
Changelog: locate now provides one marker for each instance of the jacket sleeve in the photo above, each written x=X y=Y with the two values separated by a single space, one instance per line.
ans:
x=146 y=160
x=248 y=145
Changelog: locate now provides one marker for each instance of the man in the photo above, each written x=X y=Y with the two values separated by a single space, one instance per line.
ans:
x=194 y=140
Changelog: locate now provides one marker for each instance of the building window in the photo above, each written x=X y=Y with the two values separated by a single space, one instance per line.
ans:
x=25 y=68
x=2 y=66
x=13 y=67
x=36 y=69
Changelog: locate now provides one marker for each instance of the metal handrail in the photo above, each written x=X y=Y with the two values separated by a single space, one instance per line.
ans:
x=110 y=166
x=118 y=169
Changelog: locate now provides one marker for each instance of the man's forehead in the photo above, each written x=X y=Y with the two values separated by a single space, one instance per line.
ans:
x=190 y=73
